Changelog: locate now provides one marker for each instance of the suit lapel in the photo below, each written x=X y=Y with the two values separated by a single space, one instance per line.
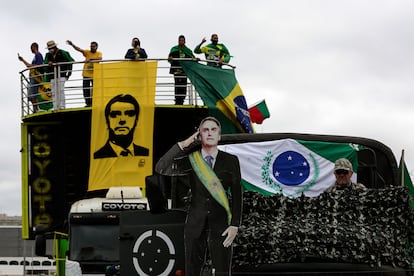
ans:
x=219 y=162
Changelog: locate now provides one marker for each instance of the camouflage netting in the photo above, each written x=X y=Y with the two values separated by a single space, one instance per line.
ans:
x=368 y=227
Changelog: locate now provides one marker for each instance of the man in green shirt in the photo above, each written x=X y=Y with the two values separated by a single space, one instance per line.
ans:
x=214 y=51
x=180 y=79
x=53 y=57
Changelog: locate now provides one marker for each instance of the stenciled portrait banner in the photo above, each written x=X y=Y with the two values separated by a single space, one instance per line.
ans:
x=122 y=124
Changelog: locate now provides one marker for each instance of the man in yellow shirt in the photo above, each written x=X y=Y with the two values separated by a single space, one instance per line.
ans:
x=90 y=55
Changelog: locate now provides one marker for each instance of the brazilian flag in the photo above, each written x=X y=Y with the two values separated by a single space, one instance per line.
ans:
x=220 y=91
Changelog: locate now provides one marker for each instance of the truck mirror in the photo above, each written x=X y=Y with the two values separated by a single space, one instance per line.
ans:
x=40 y=240
x=40 y=245
x=39 y=229
x=156 y=199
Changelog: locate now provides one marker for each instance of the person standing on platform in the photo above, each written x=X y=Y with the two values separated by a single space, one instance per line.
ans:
x=56 y=55
x=214 y=51
x=136 y=52
x=90 y=55
x=35 y=74
x=180 y=79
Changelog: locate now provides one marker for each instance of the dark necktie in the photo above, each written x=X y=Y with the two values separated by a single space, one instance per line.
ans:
x=209 y=160
x=125 y=152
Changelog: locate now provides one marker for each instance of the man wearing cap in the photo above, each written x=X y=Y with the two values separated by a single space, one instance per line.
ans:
x=56 y=55
x=343 y=172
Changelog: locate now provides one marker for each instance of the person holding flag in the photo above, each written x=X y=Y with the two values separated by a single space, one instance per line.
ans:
x=180 y=79
x=214 y=175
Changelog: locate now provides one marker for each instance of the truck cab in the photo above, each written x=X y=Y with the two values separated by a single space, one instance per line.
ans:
x=94 y=227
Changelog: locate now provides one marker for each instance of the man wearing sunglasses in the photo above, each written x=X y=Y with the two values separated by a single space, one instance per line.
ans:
x=343 y=172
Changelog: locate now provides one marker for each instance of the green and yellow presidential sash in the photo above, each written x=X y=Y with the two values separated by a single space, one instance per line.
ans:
x=210 y=180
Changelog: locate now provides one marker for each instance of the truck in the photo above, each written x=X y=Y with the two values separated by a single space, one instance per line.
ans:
x=139 y=228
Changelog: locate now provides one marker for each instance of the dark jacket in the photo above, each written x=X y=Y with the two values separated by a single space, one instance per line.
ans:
x=204 y=209
x=65 y=69
x=130 y=54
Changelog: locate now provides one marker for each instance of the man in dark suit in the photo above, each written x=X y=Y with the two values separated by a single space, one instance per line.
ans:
x=211 y=221
x=121 y=114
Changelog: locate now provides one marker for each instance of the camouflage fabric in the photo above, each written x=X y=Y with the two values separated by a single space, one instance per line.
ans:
x=351 y=186
x=351 y=226
x=343 y=164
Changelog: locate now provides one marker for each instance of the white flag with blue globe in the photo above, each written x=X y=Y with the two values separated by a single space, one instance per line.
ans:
x=291 y=167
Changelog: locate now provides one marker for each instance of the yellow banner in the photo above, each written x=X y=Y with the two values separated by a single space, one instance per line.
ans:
x=122 y=124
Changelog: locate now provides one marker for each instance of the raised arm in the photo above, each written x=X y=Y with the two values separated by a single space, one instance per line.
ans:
x=69 y=42
x=24 y=61
x=165 y=165
x=197 y=49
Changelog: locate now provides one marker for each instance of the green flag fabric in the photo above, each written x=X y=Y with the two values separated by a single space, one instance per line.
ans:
x=220 y=91
x=406 y=179
x=291 y=167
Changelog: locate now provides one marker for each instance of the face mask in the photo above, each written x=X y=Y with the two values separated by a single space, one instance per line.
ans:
x=51 y=51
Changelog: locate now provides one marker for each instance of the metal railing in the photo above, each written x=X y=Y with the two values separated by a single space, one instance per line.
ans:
x=42 y=100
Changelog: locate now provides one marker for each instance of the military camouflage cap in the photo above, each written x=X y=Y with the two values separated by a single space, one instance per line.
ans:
x=343 y=164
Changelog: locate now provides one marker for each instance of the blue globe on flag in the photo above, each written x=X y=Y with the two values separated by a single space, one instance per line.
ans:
x=291 y=168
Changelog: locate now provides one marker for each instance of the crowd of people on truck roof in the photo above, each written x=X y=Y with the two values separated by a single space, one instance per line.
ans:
x=215 y=53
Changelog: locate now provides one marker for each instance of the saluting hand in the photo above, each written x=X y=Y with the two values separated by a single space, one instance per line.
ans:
x=189 y=140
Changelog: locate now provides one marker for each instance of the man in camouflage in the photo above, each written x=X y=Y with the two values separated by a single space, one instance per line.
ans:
x=343 y=172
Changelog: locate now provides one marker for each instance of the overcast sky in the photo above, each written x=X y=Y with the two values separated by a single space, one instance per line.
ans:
x=324 y=66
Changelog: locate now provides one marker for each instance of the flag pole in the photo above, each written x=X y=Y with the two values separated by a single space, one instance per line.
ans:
x=402 y=162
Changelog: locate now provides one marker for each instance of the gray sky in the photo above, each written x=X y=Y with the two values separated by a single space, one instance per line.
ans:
x=324 y=66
